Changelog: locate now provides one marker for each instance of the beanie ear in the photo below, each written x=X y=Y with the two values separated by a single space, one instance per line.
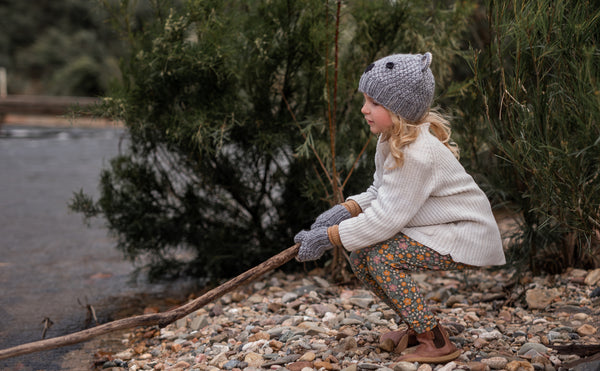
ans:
x=425 y=61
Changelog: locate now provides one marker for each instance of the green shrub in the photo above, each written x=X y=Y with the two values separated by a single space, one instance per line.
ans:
x=538 y=86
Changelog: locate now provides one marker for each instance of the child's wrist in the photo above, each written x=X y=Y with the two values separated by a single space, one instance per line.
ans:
x=333 y=233
x=353 y=207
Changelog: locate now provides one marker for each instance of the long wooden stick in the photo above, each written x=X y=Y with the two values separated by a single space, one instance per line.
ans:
x=160 y=319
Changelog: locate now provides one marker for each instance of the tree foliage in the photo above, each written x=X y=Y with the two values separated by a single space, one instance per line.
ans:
x=537 y=90
x=228 y=105
x=60 y=47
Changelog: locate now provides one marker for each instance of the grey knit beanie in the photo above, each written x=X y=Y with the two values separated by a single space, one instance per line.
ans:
x=402 y=83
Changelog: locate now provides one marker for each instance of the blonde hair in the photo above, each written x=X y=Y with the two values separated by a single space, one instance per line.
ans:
x=404 y=132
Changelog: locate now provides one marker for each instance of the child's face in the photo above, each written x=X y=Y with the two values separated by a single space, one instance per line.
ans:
x=377 y=116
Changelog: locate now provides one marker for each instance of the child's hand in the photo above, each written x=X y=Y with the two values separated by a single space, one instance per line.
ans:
x=333 y=216
x=313 y=244
x=298 y=238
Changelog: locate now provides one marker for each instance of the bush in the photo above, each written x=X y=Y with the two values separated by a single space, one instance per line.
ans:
x=537 y=81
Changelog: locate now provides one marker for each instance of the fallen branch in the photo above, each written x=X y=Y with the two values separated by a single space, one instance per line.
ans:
x=582 y=350
x=160 y=319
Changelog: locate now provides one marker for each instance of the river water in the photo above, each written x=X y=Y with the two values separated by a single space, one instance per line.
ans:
x=51 y=264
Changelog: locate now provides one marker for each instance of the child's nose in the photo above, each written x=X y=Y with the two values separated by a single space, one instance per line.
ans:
x=364 y=109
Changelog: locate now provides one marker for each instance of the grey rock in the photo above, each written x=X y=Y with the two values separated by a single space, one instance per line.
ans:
x=322 y=282
x=368 y=366
x=282 y=360
x=361 y=302
x=234 y=363
x=305 y=289
x=289 y=296
x=199 y=322
x=587 y=366
x=278 y=331
x=540 y=348
x=491 y=335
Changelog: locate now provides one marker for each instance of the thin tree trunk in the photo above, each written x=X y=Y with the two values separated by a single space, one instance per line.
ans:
x=160 y=319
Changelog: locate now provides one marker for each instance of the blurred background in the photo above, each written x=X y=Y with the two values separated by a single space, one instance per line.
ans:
x=64 y=47
x=54 y=269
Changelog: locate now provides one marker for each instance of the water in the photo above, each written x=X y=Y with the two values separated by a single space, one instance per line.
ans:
x=51 y=264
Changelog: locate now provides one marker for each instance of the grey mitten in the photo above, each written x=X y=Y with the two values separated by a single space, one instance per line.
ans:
x=298 y=238
x=314 y=244
x=333 y=216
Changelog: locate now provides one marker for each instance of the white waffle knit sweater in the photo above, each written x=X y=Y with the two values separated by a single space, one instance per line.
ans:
x=431 y=199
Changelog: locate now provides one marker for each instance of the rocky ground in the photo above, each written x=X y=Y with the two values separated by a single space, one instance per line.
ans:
x=303 y=322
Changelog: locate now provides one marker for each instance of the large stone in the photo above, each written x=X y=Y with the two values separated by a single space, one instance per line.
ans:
x=540 y=298
x=593 y=277
x=586 y=330
x=587 y=366
x=540 y=348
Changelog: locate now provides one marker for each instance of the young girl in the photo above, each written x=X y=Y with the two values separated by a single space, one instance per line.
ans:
x=422 y=212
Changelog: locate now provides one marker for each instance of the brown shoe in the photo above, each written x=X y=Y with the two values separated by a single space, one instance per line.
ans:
x=397 y=341
x=434 y=347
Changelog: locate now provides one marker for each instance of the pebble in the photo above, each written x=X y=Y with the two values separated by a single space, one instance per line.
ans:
x=405 y=366
x=302 y=322
x=495 y=363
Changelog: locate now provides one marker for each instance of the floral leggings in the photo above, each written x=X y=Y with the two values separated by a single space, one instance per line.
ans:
x=384 y=268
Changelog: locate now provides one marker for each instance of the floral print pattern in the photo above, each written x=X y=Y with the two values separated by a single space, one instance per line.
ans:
x=385 y=269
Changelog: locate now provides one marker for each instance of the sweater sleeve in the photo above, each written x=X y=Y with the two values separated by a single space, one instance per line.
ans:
x=402 y=192
x=364 y=199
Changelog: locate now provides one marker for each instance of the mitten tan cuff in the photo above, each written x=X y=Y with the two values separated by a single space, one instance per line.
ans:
x=352 y=207
x=333 y=233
